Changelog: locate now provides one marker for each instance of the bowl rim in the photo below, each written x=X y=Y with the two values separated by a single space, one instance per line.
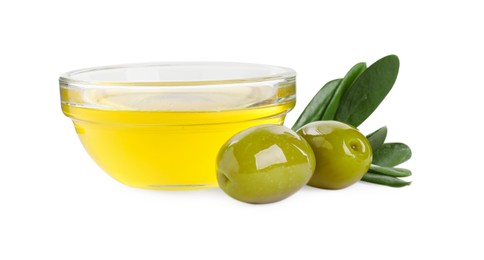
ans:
x=284 y=74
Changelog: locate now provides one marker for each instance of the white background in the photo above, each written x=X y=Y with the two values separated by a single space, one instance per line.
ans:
x=56 y=203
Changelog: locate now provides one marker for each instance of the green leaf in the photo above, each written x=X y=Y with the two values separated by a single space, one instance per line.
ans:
x=368 y=91
x=318 y=104
x=384 y=180
x=389 y=171
x=391 y=154
x=346 y=82
x=377 y=138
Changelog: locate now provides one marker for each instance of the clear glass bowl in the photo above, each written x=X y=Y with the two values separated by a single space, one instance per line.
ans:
x=160 y=125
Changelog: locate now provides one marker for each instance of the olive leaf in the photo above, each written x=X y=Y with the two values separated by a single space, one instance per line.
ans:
x=391 y=154
x=346 y=82
x=377 y=138
x=315 y=109
x=368 y=91
x=390 y=171
x=384 y=180
x=352 y=100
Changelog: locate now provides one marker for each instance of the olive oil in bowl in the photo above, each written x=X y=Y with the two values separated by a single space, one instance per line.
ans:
x=159 y=135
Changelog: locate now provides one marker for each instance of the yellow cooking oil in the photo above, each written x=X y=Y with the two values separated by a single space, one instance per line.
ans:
x=172 y=146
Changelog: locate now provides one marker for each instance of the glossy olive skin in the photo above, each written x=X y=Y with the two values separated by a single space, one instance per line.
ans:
x=343 y=154
x=264 y=164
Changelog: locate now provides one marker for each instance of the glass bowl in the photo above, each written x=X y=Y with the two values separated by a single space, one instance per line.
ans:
x=160 y=125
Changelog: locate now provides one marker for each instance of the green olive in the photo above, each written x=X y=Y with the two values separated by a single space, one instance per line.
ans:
x=343 y=154
x=264 y=164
